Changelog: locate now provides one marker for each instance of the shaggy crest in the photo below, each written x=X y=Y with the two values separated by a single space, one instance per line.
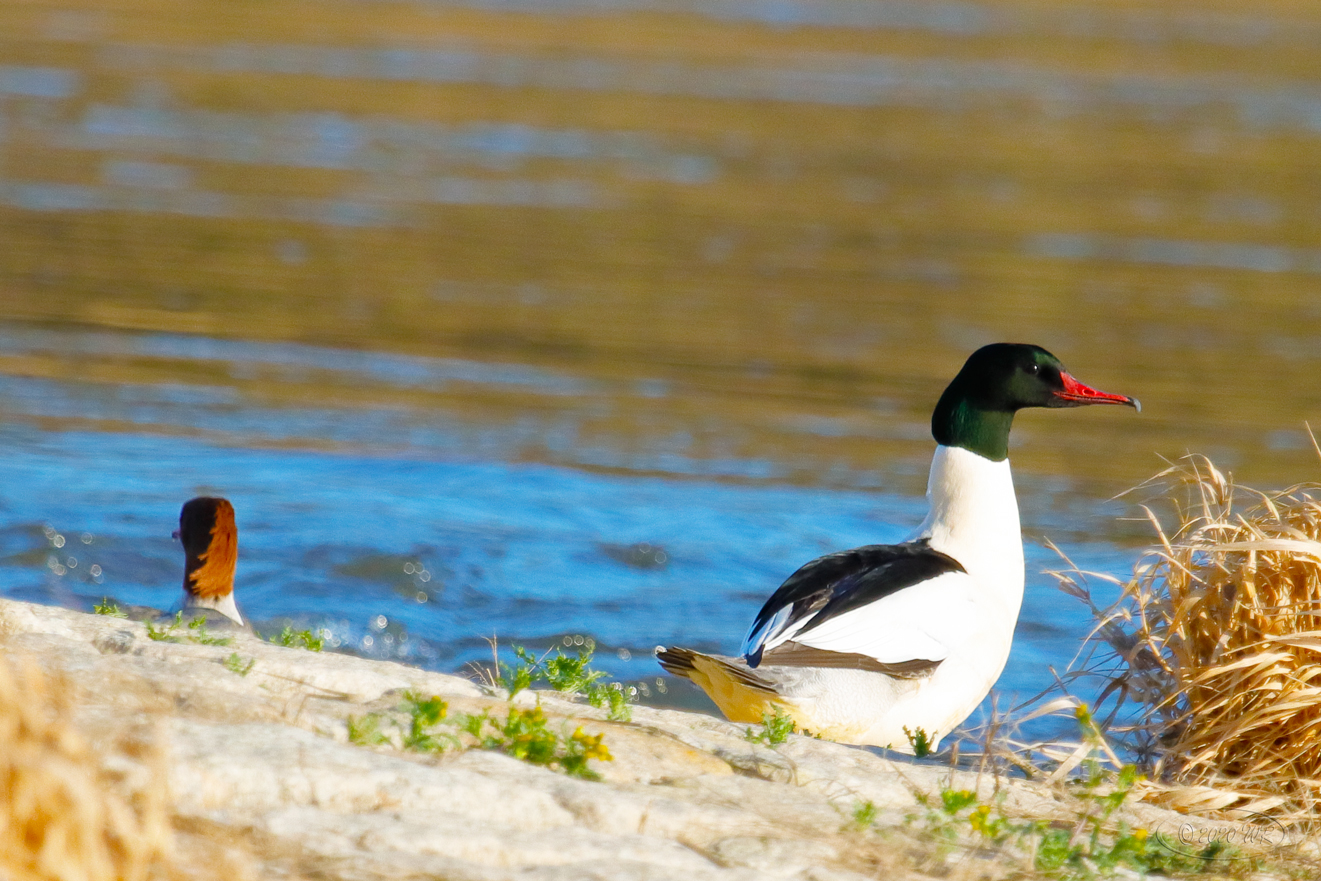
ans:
x=210 y=539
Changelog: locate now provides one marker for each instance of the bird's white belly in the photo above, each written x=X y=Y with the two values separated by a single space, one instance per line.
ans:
x=941 y=702
x=872 y=708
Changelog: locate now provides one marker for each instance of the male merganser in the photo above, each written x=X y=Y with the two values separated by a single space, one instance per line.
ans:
x=884 y=644
x=211 y=543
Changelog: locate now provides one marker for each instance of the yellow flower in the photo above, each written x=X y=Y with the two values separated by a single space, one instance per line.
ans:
x=593 y=747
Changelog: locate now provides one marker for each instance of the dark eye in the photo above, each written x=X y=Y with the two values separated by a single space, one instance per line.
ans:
x=1034 y=368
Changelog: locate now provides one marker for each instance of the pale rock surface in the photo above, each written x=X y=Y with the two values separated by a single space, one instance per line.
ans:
x=264 y=780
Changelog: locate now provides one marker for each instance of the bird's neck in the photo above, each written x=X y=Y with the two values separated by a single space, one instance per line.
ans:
x=958 y=422
x=974 y=516
x=225 y=605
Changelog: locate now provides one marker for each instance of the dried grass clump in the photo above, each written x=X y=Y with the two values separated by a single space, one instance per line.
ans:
x=1211 y=655
x=61 y=815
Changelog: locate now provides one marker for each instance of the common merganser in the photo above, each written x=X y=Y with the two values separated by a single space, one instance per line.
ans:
x=884 y=644
x=211 y=543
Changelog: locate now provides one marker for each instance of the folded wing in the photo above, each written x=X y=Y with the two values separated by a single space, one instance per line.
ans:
x=889 y=608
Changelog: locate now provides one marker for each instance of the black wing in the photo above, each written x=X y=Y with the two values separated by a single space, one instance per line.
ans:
x=834 y=584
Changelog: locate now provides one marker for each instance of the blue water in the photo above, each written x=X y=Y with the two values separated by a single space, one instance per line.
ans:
x=525 y=552
x=424 y=554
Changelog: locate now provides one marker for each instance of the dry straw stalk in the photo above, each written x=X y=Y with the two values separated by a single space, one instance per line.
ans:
x=62 y=816
x=1210 y=655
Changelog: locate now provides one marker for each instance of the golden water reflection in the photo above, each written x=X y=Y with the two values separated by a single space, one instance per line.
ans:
x=733 y=232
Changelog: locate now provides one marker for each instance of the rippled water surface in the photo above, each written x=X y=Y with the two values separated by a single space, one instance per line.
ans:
x=548 y=319
x=402 y=535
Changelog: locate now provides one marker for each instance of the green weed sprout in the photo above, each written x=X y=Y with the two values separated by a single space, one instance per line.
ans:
x=919 y=741
x=865 y=814
x=291 y=638
x=1088 y=847
x=775 y=728
x=194 y=631
x=165 y=633
x=424 y=714
x=524 y=734
x=517 y=677
x=568 y=674
x=198 y=633
x=366 y=730
x=234 y=664
x=109 y=608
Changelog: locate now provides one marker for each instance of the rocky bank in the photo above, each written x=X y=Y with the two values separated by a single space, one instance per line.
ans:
x=264 y=781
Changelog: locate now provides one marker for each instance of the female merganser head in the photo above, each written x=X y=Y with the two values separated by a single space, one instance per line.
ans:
x=895 y=644
x=211 y=545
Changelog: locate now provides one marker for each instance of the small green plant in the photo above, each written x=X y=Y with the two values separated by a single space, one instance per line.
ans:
x=524 y=734
x=1081 y=850
x=198 y=633
x=570 y=674
x=166 y=633
x=919 y=741
x=614 y=698
x=194 y=631
x=864 y=815
x=366 y=730
x=519 y=676
x=234 y=664
x=291 y=638
x=1088 y=847
x=110 y=608
x=424 y=714
x=775 y=728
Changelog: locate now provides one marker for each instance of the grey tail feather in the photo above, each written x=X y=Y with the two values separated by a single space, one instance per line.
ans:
x=677 y=661
x=680 y=662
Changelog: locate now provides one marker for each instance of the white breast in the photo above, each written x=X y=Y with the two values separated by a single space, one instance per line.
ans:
x=974 y=519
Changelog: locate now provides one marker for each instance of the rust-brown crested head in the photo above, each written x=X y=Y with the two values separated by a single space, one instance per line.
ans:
x=211 y=545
